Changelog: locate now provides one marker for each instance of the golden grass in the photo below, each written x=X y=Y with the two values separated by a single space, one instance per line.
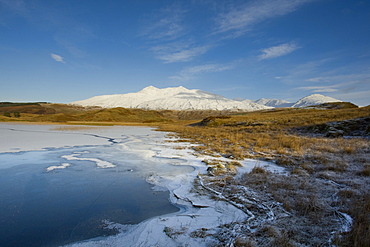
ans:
x=268 y=133
x=273 y=135
x=75 y=114
x=73 y=128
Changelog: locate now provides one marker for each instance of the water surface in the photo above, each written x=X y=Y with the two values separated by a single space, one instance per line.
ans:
x=45 y=206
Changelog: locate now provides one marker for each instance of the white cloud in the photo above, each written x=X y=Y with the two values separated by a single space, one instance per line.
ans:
x=57 y=58
x=299 y=73
x=18 y=6
x=349 y=77
x=319 y=89
x=167 y=24
x=167 y=31
x=347 y=86
x=278 y=51
x=360 y=98
x=189 y=73
x=241 y=19
x=184 y=55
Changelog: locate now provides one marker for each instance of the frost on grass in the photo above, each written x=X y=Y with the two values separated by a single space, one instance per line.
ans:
x=321 y=201
x=282 y=211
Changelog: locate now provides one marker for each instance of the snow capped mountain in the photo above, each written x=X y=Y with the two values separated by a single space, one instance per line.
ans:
x=273 y=102
x=180 y=98
x=314 y=99
x=176 y=98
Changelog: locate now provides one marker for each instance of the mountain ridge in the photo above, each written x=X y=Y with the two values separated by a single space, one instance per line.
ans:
x=273 y=102
x=181 y=98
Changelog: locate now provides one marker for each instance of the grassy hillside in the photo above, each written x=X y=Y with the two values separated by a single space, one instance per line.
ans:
x=62 y=113
x=30 y=108
x=272 y=132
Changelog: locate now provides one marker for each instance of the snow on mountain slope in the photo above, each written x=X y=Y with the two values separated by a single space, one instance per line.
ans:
x=314 y=99
x=180 y=98
x=274 y=102
x=176 y=98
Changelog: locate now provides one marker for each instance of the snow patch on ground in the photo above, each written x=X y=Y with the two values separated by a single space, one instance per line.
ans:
x=347 y=222
x=249 y=164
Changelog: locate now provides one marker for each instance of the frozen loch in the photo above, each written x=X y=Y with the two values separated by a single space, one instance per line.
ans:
x=104 y=186
x=64 y=184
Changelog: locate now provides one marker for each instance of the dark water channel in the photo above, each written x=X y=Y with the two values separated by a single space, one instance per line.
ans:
x=52 y=208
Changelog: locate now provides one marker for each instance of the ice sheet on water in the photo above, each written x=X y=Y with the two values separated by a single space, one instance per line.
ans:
x=119 y=193
x=140 y=150
x=62 y=166
x=27 y=137
x=99 y=163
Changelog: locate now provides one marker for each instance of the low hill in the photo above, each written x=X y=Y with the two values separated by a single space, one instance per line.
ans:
x=118 y=114
x=44 y=112
x=31 y=108
x=334 y=105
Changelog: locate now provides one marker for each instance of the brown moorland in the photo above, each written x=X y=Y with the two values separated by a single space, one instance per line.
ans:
x=328 y=176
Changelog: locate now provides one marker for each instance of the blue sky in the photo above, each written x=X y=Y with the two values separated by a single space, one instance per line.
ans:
x=67 y=50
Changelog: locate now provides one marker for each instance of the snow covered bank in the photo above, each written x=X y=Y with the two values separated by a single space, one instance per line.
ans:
x=198 y=213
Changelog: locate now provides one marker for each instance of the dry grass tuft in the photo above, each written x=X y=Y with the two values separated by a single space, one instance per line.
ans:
x=365 y=171
x=73 y=128
x=360 y=233
x=217 y=167
x=244 y=242
x=258 y=170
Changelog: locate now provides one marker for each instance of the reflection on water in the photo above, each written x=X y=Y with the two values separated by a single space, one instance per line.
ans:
x=51 y=207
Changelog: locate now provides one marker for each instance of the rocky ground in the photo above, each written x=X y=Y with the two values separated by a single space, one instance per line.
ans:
x=358 y=127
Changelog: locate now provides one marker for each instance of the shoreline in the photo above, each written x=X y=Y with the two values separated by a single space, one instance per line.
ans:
x=198 y=215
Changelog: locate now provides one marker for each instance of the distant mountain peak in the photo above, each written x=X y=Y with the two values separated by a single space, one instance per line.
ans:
x=274 y=102
x=172 y=98
x=314 y=99
x=164 y=91
x=149 y=88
